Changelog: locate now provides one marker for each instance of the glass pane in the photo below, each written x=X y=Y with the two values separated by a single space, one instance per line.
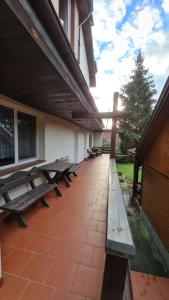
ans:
x=63 y=14
x=6 y=136
x=26 y=136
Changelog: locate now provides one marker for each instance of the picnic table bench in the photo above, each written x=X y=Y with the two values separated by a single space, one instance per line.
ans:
x=19 y=204
x=97 y=150
x=61 y=169
x=119 y=246
x=72 y=169
x=91 y=153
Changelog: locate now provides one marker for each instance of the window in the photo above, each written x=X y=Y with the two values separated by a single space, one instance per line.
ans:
x=17 y=136
x=7 y=155
x=26 y=136
x=65 y=15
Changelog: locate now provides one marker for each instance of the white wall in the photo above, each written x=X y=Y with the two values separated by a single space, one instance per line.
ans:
x=98 y=139
x=81 y=146
x=83 y=59
x=56 y=5
x=59 y=139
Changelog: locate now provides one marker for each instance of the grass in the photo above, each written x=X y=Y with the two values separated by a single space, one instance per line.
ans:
x=127 y=170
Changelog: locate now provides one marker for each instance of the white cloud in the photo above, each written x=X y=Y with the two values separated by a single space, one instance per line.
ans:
x=165 y=5
x=116 y=43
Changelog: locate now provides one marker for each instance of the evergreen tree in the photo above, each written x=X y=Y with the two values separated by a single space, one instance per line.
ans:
x=137 y=97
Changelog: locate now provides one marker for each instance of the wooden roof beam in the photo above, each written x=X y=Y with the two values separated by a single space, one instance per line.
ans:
x=103 y=115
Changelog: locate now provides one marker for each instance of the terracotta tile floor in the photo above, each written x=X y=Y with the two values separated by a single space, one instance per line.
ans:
x=149 y=287
x=60 y=256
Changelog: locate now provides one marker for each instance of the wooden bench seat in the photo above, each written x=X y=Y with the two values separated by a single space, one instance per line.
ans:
x=72 y=170
x=91 y=154
x=22 y=202
x=19 y=204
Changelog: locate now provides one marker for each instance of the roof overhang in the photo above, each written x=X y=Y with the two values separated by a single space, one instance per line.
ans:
x=33 y=71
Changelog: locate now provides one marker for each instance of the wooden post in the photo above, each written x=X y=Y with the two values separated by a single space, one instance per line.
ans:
x=135 y=180
x=114 y=277
x=114 y=121
x=1 y=278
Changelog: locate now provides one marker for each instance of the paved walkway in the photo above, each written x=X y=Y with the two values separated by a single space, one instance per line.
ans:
x=60 y=256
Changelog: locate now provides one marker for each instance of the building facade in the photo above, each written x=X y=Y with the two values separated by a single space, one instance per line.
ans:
x=47 y=68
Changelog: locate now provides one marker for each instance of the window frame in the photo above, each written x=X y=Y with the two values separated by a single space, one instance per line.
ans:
x=67 y=23
x=18 y=161
x=25 y=159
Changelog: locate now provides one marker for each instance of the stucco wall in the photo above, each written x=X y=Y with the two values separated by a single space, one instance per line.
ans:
x=98 y=139
x=56 y=5
x=81 y=146
x=59 y=139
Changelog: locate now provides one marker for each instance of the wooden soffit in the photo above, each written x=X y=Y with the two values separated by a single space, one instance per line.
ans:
x=32 y=71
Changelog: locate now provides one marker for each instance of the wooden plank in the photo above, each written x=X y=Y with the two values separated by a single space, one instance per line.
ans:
x=114 y=277
x=155 y=204
x=103 y=115
x=119 y=244
x=1 y=277
x=119 y=241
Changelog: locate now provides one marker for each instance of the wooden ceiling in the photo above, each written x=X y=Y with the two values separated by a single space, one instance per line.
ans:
x=30 y=77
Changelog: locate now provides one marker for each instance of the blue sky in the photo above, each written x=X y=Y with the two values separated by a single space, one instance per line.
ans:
x=121 y=27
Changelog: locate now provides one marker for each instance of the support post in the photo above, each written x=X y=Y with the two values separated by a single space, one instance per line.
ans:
x=1 y=278
x=114 y=277
x=135 y=180
x=113 y=132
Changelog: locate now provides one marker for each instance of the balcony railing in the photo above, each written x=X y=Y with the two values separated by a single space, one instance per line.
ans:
x=119 y=245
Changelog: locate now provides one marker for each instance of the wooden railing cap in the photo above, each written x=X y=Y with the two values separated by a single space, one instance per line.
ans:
x=119 y=240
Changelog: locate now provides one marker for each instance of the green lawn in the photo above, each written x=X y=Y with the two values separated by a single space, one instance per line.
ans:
x=127 y=171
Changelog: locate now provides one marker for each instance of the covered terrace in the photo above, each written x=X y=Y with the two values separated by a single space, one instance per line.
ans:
x=60 y=255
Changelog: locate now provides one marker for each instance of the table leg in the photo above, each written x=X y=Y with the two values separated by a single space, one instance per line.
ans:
x=66 y=181
x=52 y=180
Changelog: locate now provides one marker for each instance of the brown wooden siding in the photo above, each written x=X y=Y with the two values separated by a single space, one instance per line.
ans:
x=158 y=156
x=155 y=202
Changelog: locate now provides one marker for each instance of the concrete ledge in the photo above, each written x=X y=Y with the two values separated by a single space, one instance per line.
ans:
x=119 y=240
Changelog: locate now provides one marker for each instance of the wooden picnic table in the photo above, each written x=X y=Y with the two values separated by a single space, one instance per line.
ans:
x=59 y=168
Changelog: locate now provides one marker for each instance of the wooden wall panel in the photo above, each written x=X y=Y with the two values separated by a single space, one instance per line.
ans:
x=158 y=156
x=155 y=202
x=1 y=278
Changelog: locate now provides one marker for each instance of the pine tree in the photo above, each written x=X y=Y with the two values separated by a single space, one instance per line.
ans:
x=137 y=97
